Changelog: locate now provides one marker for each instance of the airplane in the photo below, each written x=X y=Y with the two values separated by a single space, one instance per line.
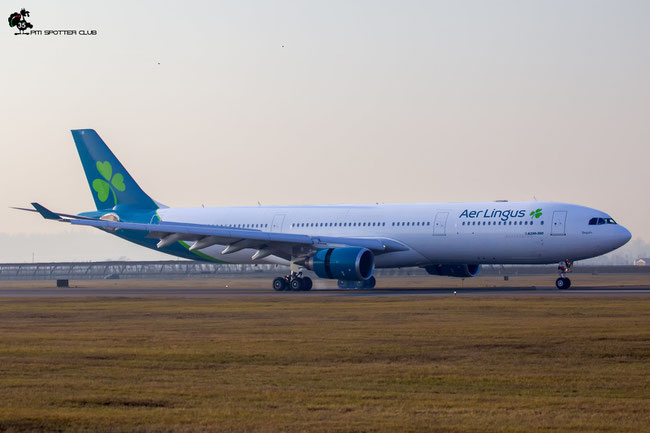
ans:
x=342 y=242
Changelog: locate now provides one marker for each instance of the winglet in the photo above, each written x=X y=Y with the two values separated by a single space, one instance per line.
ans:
x=46 y=213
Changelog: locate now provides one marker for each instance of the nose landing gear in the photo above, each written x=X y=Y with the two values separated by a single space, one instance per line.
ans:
x=563 y=282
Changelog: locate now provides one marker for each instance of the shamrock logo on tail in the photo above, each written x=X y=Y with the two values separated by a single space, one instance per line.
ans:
x=536 y=213
x=103 y=187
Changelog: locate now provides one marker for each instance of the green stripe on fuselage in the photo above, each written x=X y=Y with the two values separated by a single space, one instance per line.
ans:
x=204 y=256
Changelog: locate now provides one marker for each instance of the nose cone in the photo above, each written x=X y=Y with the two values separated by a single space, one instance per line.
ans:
x=623 y=235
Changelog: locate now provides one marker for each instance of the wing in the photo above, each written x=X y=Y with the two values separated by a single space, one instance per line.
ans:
x=285 y=245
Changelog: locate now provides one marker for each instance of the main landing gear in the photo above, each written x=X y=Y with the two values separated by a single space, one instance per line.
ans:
x=294 y=281
x=367 y=284
x=563 y=282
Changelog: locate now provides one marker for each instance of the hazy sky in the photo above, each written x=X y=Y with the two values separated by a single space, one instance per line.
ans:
x=306 y=102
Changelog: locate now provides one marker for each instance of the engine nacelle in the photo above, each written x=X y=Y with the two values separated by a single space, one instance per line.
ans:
x=460 y=271
x=345 y=263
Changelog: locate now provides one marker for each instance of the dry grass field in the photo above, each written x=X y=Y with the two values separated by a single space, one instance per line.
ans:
x=325 y=364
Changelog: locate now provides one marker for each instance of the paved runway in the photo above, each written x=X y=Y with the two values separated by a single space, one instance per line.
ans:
x=193 y=292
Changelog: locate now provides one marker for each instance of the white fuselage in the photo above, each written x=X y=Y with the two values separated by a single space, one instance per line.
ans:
x=435 y=233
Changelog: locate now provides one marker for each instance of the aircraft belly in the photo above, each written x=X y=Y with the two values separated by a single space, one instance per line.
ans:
x=400 y=259
x=484 y=248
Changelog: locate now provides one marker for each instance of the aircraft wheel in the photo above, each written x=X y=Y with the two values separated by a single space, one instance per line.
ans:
x=307 y=283
x=296 y=284
x=563 y=283
x=279 y=284
x=370 y=283
x=342 y=284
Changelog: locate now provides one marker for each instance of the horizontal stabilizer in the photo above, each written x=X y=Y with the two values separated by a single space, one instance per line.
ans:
x=45 y=212
x=48 y=214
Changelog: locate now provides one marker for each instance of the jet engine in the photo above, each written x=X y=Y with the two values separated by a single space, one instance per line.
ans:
x=345 y=263
x=460 y=271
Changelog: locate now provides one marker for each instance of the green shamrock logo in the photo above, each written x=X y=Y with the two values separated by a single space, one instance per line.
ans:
x=103 y=187
x=536 y=213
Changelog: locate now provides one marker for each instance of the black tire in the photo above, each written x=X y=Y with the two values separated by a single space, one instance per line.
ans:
x=561 y=283
x=370 y=283
x=307 y=283
x=279 y=284
x=296 y=284
x=342 y=284
x=568 y=283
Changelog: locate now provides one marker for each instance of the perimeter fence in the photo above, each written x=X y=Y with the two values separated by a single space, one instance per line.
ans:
x=180 y=269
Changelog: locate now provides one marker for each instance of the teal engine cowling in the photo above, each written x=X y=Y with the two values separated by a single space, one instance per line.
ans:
x=345 y=263
x=460 y=271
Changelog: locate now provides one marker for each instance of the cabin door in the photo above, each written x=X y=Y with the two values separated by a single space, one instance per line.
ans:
x=276 y=225
x=440 y=224
x=559 y=220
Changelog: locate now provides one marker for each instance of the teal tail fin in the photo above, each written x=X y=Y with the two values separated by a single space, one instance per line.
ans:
x=110 y=183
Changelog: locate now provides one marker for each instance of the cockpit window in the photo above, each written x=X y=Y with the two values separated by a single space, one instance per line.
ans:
x=601 y=221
